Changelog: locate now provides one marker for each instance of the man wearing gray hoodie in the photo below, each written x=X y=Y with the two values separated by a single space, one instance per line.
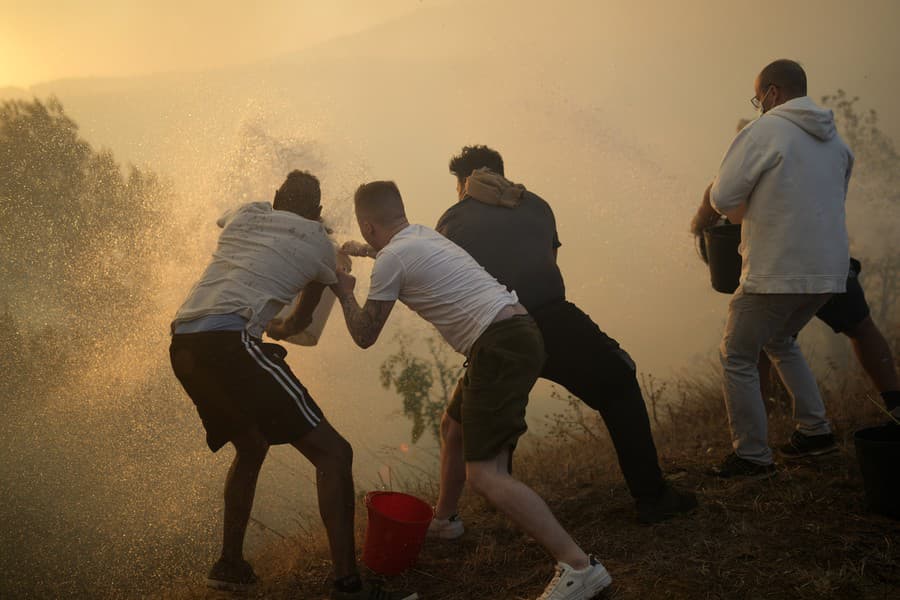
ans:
x=784 y=179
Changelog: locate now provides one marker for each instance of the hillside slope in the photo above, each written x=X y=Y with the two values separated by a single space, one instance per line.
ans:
x=803 y=534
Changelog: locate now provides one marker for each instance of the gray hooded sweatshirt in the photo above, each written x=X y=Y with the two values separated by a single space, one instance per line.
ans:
x=792 y=169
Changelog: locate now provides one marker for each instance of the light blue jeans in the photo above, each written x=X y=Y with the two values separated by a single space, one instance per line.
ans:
x=768 y=322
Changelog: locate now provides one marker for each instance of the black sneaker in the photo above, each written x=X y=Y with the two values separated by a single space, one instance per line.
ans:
x=231 y=576
x=808 y=445
x=372 y=590
x=895 y=417
x=734 y=466
x=669 y=503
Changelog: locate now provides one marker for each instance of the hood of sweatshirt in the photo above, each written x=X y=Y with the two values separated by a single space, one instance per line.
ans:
x=808 y=116
x=490 y=188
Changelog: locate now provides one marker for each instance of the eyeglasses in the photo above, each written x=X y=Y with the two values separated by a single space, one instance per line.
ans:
x=756 y=102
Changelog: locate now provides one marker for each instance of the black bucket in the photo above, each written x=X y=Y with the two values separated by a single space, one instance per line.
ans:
x=878 y=452
x=722 y=243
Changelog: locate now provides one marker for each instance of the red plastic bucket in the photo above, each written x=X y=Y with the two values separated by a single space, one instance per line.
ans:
x=397 y=526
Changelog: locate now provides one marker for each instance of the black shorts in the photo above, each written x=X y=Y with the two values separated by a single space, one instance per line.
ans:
x=237 y=382
x=843 y=312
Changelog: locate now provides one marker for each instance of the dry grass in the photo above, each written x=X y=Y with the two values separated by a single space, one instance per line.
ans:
x=803 y=534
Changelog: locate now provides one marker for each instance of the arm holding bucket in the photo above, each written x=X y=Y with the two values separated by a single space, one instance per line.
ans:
x=301 y=317
x=706 y=214
x=364 y=323
x=354 y=248
x=736 y=215
x=744 y=164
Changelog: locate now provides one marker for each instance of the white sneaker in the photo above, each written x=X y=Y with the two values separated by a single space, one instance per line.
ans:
x=569 y=584
x=446 y=529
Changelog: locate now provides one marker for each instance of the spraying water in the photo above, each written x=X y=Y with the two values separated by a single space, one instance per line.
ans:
x=112 y=491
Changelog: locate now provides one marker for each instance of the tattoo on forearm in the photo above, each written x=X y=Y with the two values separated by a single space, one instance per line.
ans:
x=365 y=323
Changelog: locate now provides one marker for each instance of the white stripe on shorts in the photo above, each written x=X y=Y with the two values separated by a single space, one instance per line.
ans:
x=282 y=378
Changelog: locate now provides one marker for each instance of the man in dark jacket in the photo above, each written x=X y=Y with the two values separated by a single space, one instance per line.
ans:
x=512 y=233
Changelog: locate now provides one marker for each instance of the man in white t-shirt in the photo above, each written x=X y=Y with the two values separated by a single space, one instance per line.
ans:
x=784 y=179
x=244 y=391
x=484 y=321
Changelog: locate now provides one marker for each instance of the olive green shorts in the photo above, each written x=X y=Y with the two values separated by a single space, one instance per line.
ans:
x=490 y=399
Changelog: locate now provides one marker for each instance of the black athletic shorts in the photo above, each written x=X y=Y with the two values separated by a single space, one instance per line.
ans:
x=236 y=382
x=845 y=311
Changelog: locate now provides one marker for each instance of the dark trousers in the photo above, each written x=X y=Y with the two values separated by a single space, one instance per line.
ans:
x=593 y=367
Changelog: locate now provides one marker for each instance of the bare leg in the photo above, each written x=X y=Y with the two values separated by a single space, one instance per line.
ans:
x=874 y=355
x=491 y=479
x=332 y=456
x=240 y=488
x=453 y=468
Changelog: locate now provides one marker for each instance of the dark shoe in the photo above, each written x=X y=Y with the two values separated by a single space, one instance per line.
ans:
x=734 y=466
x=372 y=591
x=808 y=445
x=669 y=503
x=895 y=416
x=231 y=576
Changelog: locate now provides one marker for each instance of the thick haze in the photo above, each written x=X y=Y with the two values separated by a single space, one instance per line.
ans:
x=40 y=41
x=617 y=112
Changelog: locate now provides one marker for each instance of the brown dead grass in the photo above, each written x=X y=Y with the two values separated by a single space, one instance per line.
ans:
x=802 y=534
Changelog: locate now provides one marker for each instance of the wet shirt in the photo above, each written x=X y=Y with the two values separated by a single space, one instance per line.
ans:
x=515 y=245
x=440 y=282
x=263 y=260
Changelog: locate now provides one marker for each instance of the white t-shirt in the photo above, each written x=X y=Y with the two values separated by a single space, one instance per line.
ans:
x=792 y=169
x=440 y=281
x=264 y=258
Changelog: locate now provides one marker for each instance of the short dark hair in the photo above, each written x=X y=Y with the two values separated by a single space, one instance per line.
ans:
x=786 y=74
x=475 y=157
x=300 y=193
x=379 y=201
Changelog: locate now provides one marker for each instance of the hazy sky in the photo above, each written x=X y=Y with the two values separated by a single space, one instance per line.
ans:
x=52 y=39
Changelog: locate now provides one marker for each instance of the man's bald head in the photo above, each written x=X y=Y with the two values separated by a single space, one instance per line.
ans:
x=787 y=75
x=379 y=202
x=379 y=212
